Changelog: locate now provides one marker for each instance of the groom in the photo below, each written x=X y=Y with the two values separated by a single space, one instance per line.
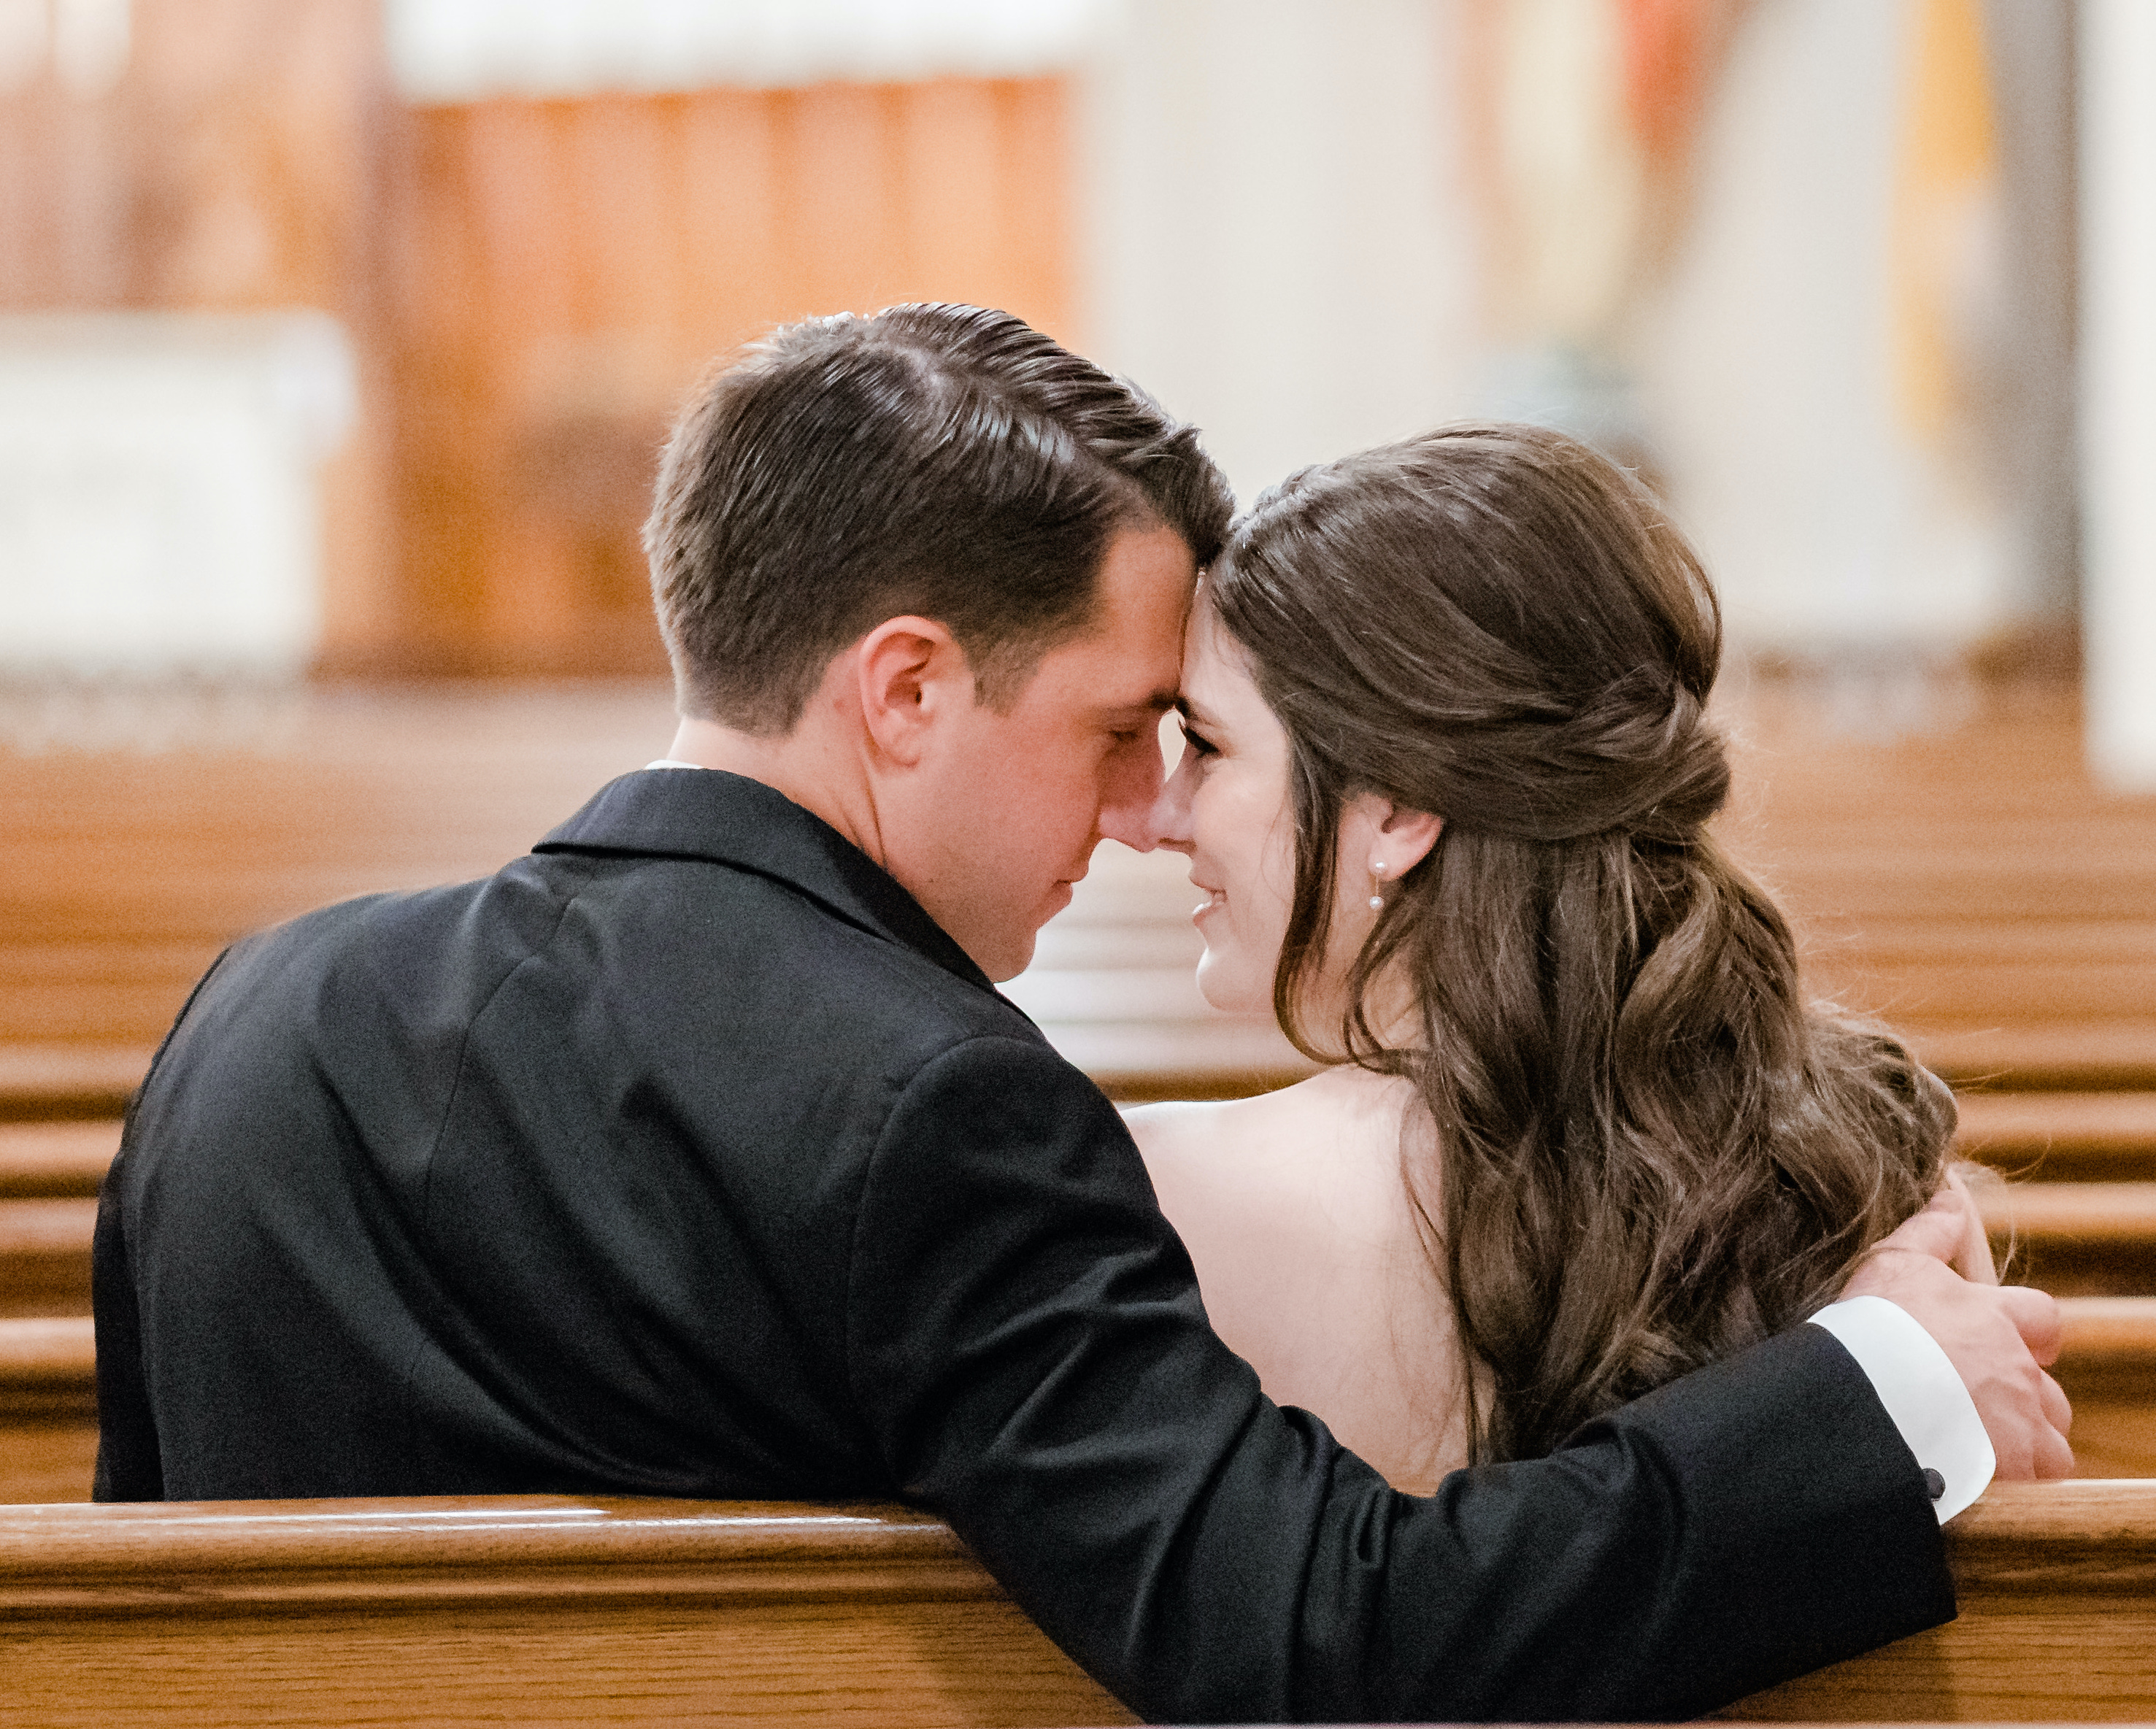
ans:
x=694 y=1153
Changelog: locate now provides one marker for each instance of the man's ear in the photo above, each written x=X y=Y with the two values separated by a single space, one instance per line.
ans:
x=1396 y=836
x=910 y=674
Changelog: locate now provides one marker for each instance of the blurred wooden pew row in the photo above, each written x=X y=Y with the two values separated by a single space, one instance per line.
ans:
x=2093 y=1235
x=49 y=1397
x=48 y=1409
x=2010 y=956
x=1971 y=886
x=2045 y=1003
x=2092 y=1138
x=45 y=1082
x=558 y=1609
x=56 y=1160
x=2088 y=1237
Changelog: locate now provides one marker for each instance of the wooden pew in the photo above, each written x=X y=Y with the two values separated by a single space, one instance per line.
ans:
x=55 y=1161
x=2108 y=1370
x=2056 y=1584
x=534 y=1610
x=1988 y=998
x=48 y=1410
x=558 y=1610
x=48 y=1404
x=2072 y=1239
x=1977 y=889
x=45 y=1256
x=2048 y=1137
x=2055 y=1137
x=41 y=1081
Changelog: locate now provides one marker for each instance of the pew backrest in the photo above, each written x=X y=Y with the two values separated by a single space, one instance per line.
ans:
x=535 y=1608
x=2056 y=1584
x=561 y=1608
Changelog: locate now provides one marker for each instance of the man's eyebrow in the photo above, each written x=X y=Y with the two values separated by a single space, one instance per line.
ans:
x=1159 y=703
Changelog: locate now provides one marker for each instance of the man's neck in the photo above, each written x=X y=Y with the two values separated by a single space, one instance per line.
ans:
x=807 y=766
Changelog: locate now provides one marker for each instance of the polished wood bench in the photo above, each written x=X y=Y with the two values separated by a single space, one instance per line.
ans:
x=559 y=1609
x=535 y=1610
x=2108 y=1370
x=2074 y=1238
x=2054 y=1137
x=55 y=1160
x=2056 y=1584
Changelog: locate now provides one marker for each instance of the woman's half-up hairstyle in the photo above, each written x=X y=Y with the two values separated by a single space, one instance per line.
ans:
x=1650 y=1150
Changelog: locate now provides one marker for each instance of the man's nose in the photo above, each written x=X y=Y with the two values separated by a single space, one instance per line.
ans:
x=1155 y=813
x=1132 y=788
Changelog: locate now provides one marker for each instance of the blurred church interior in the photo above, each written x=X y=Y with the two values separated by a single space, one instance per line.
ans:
x=338 y=338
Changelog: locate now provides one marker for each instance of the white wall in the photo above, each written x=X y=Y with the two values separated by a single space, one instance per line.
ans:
x=1767 y=368
x=2118 y=386
x=1279 y=243
x=1275 y=240
x=458 y=50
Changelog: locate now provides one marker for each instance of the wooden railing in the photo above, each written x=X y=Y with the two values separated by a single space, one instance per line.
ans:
x=625 y=1611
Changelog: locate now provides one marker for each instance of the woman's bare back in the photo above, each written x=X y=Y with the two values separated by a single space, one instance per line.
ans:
x=1313 y=1270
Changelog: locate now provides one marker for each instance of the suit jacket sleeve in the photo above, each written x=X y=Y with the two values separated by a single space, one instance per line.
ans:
x=1025 y=1337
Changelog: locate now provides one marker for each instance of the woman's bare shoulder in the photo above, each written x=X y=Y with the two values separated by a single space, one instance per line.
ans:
x=1193 y=1128
x=1293 y=1210
x=1318 y=1163
x=1335 y=1100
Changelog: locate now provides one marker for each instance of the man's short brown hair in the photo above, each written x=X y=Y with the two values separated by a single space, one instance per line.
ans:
x=940 y=460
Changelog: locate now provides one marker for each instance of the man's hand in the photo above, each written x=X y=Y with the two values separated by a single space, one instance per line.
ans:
x=1996 y=1336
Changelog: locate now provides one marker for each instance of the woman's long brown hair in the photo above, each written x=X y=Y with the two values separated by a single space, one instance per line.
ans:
x=1651 y=1149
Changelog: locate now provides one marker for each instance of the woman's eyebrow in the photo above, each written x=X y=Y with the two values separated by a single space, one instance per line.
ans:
x=1192 y=711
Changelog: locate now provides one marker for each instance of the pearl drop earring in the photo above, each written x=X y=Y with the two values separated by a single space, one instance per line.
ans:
x=1377 y=878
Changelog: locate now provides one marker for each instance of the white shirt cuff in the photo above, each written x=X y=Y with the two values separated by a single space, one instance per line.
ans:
x=1915 y=1381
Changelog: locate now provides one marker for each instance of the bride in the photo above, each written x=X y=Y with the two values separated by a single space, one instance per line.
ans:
x=1446 y=786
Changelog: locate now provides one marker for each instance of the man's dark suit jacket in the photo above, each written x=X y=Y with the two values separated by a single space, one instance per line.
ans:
x=688 y=1156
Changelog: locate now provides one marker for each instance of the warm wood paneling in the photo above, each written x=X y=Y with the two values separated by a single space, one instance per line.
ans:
x=568 y=268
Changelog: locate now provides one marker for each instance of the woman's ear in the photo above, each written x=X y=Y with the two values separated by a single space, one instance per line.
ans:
x=1375 y=831
x=908 y=673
